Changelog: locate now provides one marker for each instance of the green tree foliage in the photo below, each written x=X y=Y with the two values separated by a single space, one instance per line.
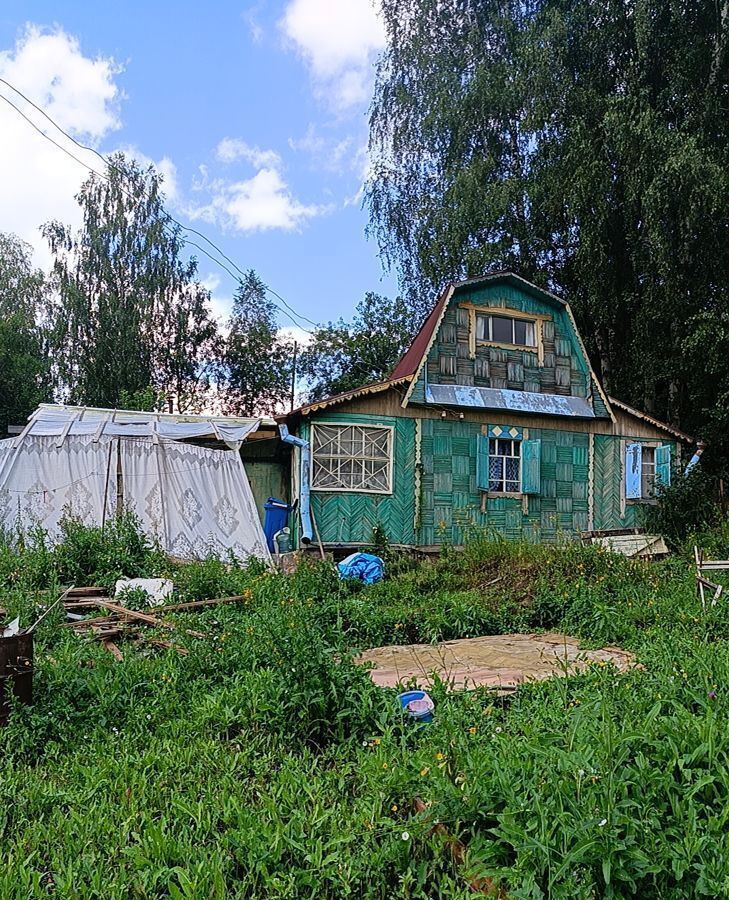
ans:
x=130 y=313
x=345 y=356
x=24 y=366
x=584 y=144
x=257 y=362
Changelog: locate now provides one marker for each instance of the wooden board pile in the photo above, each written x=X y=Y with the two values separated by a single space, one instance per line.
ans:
x=118 y=621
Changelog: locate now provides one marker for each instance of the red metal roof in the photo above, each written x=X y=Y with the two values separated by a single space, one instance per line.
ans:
x=409 y=363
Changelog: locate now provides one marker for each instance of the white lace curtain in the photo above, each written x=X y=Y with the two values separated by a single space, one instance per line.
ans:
x=192 y=500
x=41 y=482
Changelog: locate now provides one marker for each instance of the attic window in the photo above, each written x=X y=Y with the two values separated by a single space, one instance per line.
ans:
x=352 y=458
x=495 y=329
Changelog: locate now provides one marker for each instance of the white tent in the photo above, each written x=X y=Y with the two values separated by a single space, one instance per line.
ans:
x=83 y=462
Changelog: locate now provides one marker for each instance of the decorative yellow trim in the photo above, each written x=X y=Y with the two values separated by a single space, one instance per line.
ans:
x=507 y=312
x=504 y=311
x=418 y=475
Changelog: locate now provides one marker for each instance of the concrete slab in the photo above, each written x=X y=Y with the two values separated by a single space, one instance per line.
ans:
x=501 y=662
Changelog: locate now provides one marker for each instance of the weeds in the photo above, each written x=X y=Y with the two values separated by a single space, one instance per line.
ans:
x=266 y=764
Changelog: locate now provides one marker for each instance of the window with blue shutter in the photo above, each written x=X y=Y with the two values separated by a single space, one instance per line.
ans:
x=531 y=469
x=482 y=463
x=663 y=465
x=506 y=464
x=633 y=471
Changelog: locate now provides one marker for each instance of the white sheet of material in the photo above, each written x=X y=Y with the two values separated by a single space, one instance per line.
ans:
x=193 y=500
x=64 y=421
x=41 y=483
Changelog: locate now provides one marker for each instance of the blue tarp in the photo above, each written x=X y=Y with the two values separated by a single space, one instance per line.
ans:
x=362 y=566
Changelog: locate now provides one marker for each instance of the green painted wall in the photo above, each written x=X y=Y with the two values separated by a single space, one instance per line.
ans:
x=565 y=370
x=449 y=507
x=268 y=479
x=451 y=504
x=350 y=517
x=608 y=483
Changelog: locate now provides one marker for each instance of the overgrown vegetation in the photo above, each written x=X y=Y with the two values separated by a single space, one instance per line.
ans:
x=266 y=764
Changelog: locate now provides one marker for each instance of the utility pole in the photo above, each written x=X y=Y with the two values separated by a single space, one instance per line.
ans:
x=293 y=377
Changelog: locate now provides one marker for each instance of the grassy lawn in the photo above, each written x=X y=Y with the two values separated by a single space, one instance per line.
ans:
x=265 y=764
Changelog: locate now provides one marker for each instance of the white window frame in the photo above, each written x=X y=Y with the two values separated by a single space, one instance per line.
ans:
x=488 y=337
x=354 y=490
x=503 y=492
x=648 y=473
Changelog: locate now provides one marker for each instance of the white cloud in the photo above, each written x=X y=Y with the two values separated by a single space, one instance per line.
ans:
x=166 y=168
x=339 y=39
x=232 y=149
x=261 y=203
x=329 y=154
x=294 y=333
x=37 y=180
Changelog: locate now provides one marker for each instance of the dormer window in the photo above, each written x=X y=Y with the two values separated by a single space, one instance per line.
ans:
x=496 y=329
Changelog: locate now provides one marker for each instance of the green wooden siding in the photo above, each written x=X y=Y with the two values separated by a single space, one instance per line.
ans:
x=450 y=507
x=609 y=476
x=565 y=369
x=345 y=517
x=451 y=504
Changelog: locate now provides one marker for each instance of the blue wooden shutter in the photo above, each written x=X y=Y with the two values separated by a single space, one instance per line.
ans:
x=531 y=470
x=633 y=471
x=482 y=462
x=663 y=465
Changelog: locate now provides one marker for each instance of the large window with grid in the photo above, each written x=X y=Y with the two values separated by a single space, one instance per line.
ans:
x=352 y=458
x=504 y=466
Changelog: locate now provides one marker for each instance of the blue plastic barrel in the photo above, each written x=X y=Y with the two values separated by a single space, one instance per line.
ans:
x=277 y=517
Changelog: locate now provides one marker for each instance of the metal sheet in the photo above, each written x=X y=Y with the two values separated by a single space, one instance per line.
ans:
x=513 y=401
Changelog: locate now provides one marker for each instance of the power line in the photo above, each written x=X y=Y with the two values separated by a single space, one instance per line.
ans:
x=289 y=311
x=292 y=314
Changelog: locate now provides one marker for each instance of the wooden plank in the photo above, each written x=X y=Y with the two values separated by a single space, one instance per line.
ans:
x=197 y=604
x=91 y=591
x=167 y=645
x=113 y=649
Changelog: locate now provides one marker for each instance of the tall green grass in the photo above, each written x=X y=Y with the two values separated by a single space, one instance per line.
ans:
x=265 y=764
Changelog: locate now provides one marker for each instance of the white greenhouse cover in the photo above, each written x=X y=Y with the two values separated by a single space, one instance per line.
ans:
x=193 y=500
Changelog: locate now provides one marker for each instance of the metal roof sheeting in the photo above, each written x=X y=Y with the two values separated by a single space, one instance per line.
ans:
x=513 y=401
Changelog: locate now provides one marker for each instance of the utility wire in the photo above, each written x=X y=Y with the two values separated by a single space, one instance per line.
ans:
x=289 y=311
x=292 y=314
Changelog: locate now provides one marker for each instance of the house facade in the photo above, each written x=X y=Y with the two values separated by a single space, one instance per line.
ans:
x=493 y=420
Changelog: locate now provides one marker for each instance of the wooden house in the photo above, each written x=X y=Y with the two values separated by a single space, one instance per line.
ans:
x=493 y=419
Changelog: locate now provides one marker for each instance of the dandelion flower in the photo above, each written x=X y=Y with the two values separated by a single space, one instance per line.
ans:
x=424 y=771
x=439 y=755
x=472 y=729
x=393 y=808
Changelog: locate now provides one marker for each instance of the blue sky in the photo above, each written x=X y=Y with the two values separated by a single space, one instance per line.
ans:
x=255 y=111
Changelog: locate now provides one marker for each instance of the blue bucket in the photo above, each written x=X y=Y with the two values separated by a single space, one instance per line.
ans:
x=420 y=715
